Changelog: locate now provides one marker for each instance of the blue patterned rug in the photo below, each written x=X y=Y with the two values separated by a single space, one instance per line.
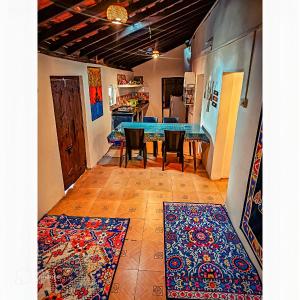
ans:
x=204 y=257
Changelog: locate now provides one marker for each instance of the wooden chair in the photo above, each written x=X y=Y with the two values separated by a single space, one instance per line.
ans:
x=173 y=143
x=170 y=120
x=152 y=120
x=135 y=141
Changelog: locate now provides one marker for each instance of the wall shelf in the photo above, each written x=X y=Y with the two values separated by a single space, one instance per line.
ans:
x=130 y=85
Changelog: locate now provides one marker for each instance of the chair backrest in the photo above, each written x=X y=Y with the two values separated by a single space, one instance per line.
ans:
x=134 y=138
x=150 y=119
x=170 y=120
x=174 y=140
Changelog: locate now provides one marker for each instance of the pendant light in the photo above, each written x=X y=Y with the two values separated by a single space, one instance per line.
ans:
x=155 y=54
x=117 y=14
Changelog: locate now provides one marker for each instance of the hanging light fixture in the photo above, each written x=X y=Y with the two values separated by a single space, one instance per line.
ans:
x=155 y=53
x=117 y=14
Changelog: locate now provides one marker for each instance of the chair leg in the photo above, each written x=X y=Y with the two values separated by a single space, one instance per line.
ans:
x=126 y=158
x=145 y=156
x=182 y=162
x=155 y=149
x=190 y=148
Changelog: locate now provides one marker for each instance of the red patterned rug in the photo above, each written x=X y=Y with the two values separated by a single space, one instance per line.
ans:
x=78 y=256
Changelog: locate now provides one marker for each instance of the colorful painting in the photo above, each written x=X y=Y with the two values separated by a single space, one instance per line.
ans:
x=78 y=256
x=251 y=222
x=95 y=89
x=204 y=257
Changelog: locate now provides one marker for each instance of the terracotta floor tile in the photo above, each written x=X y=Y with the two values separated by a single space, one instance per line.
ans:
x=222 y=185
x=210 y=198
x=106 y=209
x=154 y=211
x=159 y=196
x=135 y=229
x=152 y=256
x=153 y=230
x=130 y=255
x=185 y=197
x=183 y=185
x=161 y=184
x=124 y=285
x=94 y=181
x=110 y=194
x=135 y=195
x=83 y=193
x=206 y=187
x=150 y=286
x=132 y=209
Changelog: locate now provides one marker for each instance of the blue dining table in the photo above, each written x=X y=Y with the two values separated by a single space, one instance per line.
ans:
x=155 y=132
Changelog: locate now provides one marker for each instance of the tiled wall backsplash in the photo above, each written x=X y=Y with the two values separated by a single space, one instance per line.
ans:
x=123 y=100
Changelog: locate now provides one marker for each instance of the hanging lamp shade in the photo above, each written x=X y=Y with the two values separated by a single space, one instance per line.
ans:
x=117 y=14
x=155 y=53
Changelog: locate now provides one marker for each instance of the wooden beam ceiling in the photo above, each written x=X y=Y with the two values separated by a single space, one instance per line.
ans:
x=79 y=30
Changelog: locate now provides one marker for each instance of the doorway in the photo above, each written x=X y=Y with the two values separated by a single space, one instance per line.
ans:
x=69 y=126
x=227 y=119
x=171 y=86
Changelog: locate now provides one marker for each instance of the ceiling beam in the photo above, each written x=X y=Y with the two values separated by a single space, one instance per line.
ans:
x=77 y=19
x=101 y=38
x=162 y=26
x=76 y=34
x=122 y=50
x=132 y=57
x=172 y=16
x=177 y=42
x=54 y=10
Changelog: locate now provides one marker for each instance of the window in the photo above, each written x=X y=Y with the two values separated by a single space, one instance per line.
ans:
x=112 y=95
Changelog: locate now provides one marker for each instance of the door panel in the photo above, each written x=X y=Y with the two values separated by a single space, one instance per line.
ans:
x=69 y=127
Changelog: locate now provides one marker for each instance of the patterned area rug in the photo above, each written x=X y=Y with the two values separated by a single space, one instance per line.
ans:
x=204 y=257
x=78 y=256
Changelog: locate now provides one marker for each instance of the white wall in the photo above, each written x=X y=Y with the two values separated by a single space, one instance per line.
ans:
x=171 y=64
x=231 y=24
x=50 y=185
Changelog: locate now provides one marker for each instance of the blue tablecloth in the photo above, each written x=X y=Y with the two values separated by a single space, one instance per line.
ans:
x=155 y=131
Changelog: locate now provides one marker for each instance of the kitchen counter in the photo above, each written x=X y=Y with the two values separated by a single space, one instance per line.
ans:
x=136 y=114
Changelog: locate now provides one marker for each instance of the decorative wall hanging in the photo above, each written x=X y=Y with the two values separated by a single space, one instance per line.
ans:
x=251 y=222
x=121 y=79
x=95 y=90
x=209 y=93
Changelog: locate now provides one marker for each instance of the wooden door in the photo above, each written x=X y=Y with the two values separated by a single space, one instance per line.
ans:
x=69 y=126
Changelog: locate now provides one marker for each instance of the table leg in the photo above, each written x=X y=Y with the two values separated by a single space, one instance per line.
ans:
x=121 y=153
x=194 y=154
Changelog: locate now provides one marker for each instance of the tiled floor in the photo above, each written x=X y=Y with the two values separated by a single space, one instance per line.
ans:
x=137 y=193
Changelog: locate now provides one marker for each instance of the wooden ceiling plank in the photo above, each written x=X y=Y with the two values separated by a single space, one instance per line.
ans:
x=161 y=46
x=160 y=26
x=53 y=10
x=156 y=36
x=179 y=41
x=75 y=20
x=172 y=17
x=98 y=39
x=96 y=25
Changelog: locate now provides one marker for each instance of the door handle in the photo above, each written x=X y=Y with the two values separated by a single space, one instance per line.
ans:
x=69 y=149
